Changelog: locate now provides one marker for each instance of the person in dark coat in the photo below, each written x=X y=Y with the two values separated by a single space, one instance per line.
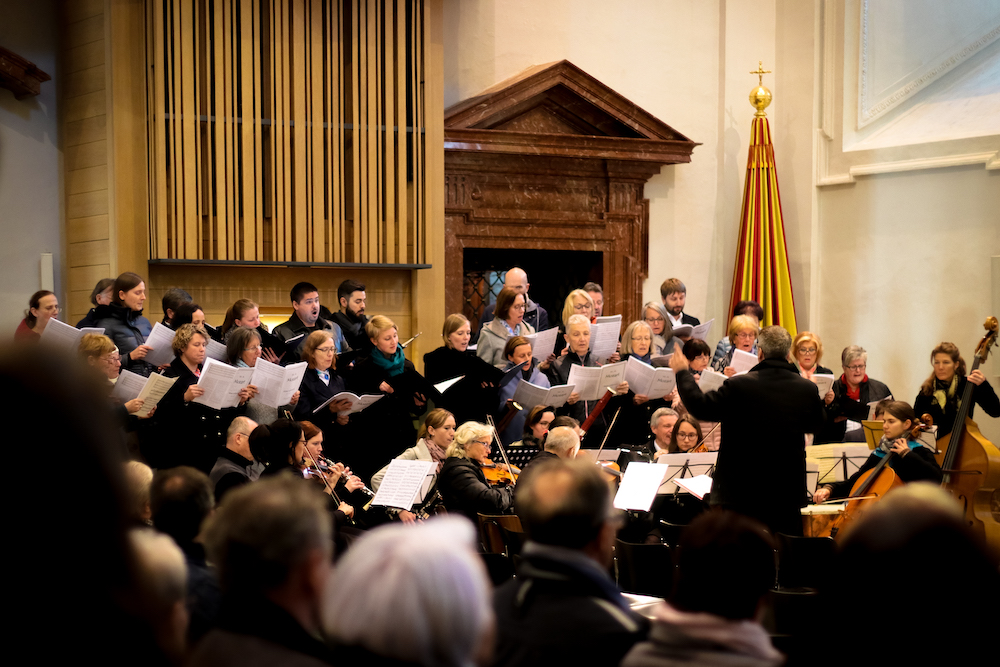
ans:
x=124 y=324
x=99 y=296
x=765 y=414
x=320 y=383
x=562 y=608
x=941 y=394
x=388 y=423
x=351 y=317
x=189 y=433
x=853 y=391
x=470 y=398
x=305 y=319
x=462 y=482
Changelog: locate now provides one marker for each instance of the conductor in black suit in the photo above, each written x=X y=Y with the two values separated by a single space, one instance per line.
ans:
x=765 y=414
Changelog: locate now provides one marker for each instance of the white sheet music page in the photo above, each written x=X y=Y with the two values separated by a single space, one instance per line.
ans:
x=60 y=334
x=222 y=384
x=743 y=361
x=276 y=384
x=639 y=485
x=128 y=386
x=402 y=483
x=701 y=331
x=604 y=337
x=155 y=388
x=710 y=380
x=160 y=339
x=543 y=343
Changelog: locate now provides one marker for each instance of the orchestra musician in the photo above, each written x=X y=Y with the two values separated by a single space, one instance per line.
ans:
x=685 y=434
x=462 y=482
x=536 y=425
x=435 y=437
x=913 y=461
x=941 y=393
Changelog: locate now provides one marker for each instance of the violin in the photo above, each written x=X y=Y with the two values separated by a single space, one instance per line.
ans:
x=970 y=462
x=495 y=474
x=700 y=447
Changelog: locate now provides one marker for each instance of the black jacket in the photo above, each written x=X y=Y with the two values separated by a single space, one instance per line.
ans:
x=558 y=613
x=918 y=465
x=842 y=406
x=765 y=414
x=467 y=399
x=464 y=489
x=128 y=330
x=558 y=374
x=984 y=395
x=354 y=332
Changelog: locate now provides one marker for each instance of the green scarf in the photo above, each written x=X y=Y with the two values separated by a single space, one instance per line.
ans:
x=392 y=365
x=943 y=395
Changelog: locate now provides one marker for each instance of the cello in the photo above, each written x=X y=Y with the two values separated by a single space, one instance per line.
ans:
x=970 y=462
x=870 y=487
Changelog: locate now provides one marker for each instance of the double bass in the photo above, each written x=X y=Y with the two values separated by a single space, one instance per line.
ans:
x=970 y=462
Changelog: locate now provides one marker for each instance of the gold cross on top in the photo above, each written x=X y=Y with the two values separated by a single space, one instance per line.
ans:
x=761 y=72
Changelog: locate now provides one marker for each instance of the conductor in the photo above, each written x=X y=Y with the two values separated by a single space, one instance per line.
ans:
x=765 y=413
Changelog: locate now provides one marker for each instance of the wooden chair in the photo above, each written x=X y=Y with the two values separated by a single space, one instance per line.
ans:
x=646 y=569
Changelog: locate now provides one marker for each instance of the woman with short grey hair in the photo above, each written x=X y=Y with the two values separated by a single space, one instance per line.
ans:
x=852 y=393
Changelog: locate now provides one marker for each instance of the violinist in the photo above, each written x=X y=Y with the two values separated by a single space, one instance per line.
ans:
x=685 y=434
x=561 y=442
x=536 y=425
x=334 y=472
x=435 y=436
x=578 y=339
x=462 y=482
x=941 y=393
x=912 y=461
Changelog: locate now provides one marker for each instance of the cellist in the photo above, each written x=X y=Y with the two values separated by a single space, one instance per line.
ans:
x=940 y=394
x=913 y=461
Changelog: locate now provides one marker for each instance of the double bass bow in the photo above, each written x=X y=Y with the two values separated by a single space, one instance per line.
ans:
x=971 y=463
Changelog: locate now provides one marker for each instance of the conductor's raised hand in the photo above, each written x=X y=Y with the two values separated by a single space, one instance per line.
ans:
x=678 y=362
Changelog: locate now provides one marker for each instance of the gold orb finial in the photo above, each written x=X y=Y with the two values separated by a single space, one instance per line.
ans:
x=760 y=97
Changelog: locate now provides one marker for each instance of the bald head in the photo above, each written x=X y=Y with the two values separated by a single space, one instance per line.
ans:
x=564 y=503
x=517 y=280
x=563 y=441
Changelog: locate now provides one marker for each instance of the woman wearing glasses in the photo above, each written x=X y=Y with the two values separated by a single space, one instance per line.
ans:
x=319 y=384
x=742 y=336
x=655 y=315
x=685 y=435
x=243 y=349
x=852 y=393
x=632 y=425
x=508 y=321
x=462 y=483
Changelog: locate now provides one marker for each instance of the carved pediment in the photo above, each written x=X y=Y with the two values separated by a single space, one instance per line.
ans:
x=558 y=109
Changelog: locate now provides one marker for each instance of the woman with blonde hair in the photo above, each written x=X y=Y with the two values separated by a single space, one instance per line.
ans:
x=470 y=398
x=743 y=330
x=404 y=392
x=807 y=352
x=462 y=483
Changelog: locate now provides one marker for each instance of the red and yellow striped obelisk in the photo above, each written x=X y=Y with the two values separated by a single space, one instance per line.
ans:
x=761 y=271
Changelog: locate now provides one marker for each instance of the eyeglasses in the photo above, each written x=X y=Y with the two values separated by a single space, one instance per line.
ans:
x=519 y=306
x=252 y=349
x=481 y=442
x=641 y=339
x=113 y=359
x=687 y=436
x=807 y=350
x=857 y=368
x=747 y=335
x=327 y=349
x=581 y=306
x=654 y=320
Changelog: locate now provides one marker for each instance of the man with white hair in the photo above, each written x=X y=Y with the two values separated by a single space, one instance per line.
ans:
x=561 y=442
x=534 y=314
x=563 y=608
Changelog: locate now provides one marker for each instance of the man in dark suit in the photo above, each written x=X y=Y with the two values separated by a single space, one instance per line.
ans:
x=765 y=414
x=674 y=295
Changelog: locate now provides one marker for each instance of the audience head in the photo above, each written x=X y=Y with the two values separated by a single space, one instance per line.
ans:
x=578 y=334
x=662 y=425
x=749 y=307
x=305 y=302
x=774 y=342
x=685 y=434
x=415 y=594
x=101 y=295
x=180 y=499
x=173 y=299
x=457 y=332
x=517 y=280
x=244 y=313
x=510 y=306
x=163 y=583
x=563 y=442
x=42 y=306
x=637 y=339
x=655 y=315
x=743 y=330
x=537 y=423
x=319 y=350
x=383 y=334
x=130 y=291
x=188 y=313
x=138 y=479
x=279 y=445
x=473 y=440
x=674 y=295
x=568 y=504
x=725 y=566
x=578 y=302
x=272 y=535
x=243 y=344
x=596 y=293
x=352 y=297
x=189 y=344
x=807 y=348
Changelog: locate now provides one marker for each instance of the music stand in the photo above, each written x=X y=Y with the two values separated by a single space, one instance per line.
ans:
x=682 y=465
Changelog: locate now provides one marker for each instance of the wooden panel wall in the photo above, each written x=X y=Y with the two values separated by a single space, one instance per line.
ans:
x=85 y=142
x=287 y=130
